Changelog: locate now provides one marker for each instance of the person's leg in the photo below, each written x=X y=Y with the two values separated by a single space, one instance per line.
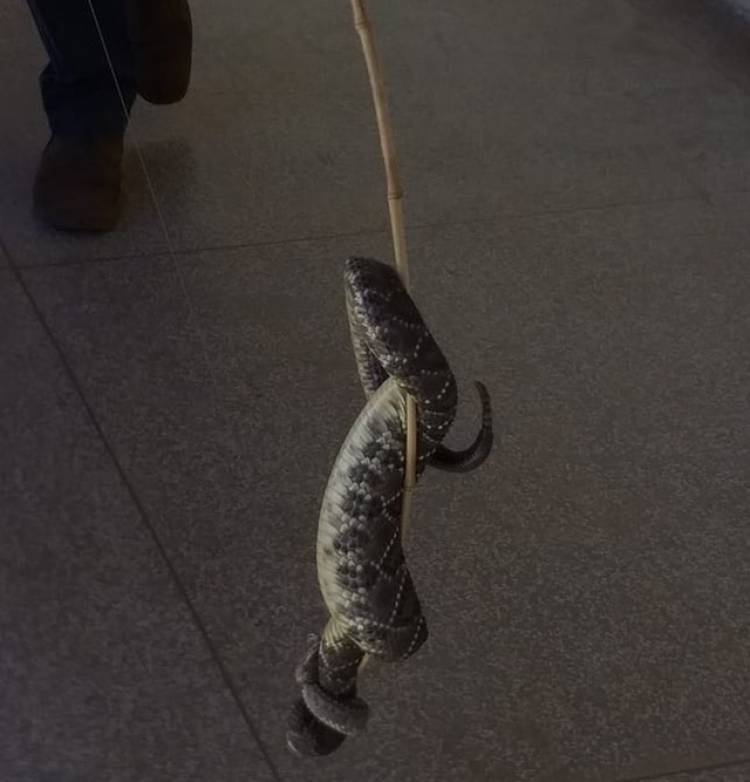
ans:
x=78 y=91
x=78 y=183
x=148 y=44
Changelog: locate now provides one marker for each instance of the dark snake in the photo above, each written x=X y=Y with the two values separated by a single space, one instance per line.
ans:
x=362 y=571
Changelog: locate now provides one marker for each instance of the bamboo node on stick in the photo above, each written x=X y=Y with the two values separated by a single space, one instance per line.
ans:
x=395 y=211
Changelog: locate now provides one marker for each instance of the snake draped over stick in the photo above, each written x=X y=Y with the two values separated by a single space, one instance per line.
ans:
x=363 y=576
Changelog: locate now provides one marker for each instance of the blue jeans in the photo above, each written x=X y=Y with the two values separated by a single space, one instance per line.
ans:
x=78 y=91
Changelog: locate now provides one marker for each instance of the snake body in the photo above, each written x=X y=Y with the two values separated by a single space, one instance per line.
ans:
x=363 y=576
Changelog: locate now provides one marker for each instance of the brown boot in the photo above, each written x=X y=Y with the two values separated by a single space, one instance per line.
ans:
x=77 y=186
x=161 y=34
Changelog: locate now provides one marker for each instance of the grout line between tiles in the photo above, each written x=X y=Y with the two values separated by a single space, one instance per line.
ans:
x=697 y=197
x=229 y=683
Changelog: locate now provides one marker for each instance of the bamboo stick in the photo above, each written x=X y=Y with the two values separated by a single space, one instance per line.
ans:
x=396 y=214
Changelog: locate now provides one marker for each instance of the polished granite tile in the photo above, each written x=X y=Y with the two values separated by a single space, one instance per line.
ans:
x=706 y=128
x=501 y=110
x=105 y=675
x=507 y=109
x=714 y=32
x=708 y=133
x=739 y=773
x=586 y=591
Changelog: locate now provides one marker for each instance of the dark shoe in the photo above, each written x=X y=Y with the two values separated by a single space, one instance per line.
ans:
x=77 y=186
x=161 y=34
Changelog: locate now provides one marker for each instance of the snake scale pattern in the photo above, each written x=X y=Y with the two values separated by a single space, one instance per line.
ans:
x=364 y=579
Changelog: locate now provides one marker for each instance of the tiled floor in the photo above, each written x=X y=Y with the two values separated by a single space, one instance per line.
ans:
x=578 y=180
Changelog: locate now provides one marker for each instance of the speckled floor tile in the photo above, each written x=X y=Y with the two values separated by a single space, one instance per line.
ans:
x=586 y=591
x=706 y=127
x=105 y=676
x=729 y=773
x=502 y=109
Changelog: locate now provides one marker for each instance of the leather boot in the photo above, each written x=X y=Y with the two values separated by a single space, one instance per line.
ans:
x=161 y=36
x=77 y=186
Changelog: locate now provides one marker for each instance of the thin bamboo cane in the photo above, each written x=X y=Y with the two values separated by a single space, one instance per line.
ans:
x=396 y=213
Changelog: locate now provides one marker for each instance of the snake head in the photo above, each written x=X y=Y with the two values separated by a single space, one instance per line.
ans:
x=376 y=291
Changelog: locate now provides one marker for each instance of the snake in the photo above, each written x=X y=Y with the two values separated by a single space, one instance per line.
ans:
x=362 y=571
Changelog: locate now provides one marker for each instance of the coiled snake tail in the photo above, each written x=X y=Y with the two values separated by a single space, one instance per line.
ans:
x=362 y=572
x=472 y=457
